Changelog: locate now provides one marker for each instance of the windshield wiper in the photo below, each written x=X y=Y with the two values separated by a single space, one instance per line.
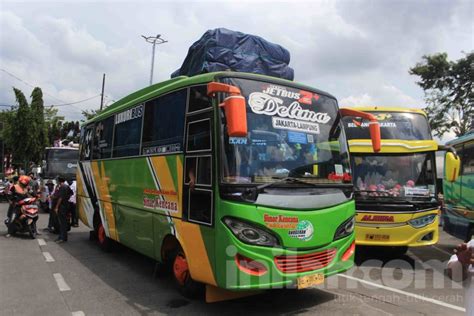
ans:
x=252 y=193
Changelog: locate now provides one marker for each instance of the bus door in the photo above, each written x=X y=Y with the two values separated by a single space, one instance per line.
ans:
x=198 y=195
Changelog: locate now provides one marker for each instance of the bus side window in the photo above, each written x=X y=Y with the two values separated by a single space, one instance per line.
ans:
x=467 y=159
x=86 y=142
x=102 y=145
x=163 y=125
x=199 y=135
x=198 y=99
x=127 y=132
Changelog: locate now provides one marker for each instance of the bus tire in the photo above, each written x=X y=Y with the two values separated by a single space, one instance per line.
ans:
x=182 y=276
x=104 y=242
x=470 y=234
x=399 y=251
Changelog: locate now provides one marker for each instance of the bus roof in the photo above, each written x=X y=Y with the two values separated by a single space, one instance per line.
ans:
x=389 y=109
x=157 y=89
x=462 y=139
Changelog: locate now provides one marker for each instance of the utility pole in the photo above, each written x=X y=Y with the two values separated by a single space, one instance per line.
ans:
x=155 y=40
x=102 y=94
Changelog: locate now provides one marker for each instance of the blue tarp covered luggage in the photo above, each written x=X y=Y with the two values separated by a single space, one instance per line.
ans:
x=222 y=49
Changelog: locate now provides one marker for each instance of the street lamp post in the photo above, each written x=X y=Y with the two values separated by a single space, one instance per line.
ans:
x=155 y=40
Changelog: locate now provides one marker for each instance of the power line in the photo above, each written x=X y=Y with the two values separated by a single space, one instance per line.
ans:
x=63 y=103
x=77 y=101
x=29 y=84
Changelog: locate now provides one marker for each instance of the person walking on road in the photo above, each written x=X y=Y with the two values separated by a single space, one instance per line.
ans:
x=461 y=269
x=61 y=209
x=72 y=204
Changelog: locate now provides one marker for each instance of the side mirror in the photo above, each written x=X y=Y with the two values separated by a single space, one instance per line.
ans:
x=452 y=165
x=374 y=126
x=234 y=107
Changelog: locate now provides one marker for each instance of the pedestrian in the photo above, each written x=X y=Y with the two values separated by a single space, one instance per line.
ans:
x=50 y=203
x=461 y=269
x=34 y=184
x=61 y=208
x=72 y=204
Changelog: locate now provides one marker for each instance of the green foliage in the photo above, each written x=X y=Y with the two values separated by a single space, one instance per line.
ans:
x=29 y=128
x=449 y=92
x=89 y=114
x=38 y=127
x=21 y=141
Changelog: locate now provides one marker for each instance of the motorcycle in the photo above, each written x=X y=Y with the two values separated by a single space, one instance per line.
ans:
x=25 y=217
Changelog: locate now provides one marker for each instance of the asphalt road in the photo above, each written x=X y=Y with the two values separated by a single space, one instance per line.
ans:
x=40 y=277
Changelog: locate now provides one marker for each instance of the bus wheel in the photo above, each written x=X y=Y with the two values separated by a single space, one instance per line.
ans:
x=182 y=276
x=105 y=243
x=470 y=235
x=399 y=251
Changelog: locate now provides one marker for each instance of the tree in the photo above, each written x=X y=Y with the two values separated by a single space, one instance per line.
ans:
x=52 y=121
x=20 y=137
x=449 y=92
x=27 y=127
x=38 y=127
x=88 y=114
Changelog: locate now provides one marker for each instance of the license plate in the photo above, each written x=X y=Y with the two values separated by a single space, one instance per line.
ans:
x=29 y=221
x=377 y=237
x=310 y=280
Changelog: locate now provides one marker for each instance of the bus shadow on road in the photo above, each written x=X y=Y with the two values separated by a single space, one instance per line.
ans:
x=131 y=274
x=370 y=256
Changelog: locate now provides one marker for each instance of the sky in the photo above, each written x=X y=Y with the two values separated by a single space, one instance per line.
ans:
x=359 y=51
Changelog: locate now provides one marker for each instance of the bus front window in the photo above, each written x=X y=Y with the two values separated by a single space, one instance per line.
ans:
x=402 y=176
x=291 y=133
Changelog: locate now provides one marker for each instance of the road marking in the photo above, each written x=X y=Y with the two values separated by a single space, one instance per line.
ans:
x=41 y=242
x=62 y=285
x=48 y=257
x=443 y=251
x=427 y=299
x=78 y=313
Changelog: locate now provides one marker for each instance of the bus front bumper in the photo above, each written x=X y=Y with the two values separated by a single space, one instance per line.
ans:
x=397 y=234
x=233 y=277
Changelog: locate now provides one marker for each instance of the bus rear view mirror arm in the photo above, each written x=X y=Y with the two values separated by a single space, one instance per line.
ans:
x=374 y=126
x=234 y=106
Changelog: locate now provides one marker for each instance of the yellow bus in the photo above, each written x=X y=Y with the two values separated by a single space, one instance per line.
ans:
x=395 y=189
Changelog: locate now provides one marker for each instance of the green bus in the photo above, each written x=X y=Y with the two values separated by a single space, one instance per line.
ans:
x=236 y=181
x=458 y=208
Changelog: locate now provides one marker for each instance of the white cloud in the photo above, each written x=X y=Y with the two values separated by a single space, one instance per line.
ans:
x=359 y=51
x=356 y=100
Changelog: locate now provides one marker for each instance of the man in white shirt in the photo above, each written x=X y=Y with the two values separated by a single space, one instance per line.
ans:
x=461 y=268
x=72 y=204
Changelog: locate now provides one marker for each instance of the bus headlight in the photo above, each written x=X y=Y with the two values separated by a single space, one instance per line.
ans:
x=250 y=234
x=345 y=229
x=422 y=221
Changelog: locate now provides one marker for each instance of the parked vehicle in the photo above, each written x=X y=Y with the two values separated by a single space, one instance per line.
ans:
x=397 y=201
x=458 y=208
x=248 y=192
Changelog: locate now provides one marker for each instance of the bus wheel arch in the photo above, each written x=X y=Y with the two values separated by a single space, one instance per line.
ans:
x=174 y=256
x=104 y=242
x=168 y=246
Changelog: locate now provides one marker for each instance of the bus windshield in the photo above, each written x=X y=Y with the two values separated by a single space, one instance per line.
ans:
x=393 y=125
x=398 y=176
x=61 y=162
x=291 y=133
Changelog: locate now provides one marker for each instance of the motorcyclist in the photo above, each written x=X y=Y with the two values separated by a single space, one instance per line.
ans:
x=18 y=192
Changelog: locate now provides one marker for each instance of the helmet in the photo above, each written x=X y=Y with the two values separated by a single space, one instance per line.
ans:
x=25 y=180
